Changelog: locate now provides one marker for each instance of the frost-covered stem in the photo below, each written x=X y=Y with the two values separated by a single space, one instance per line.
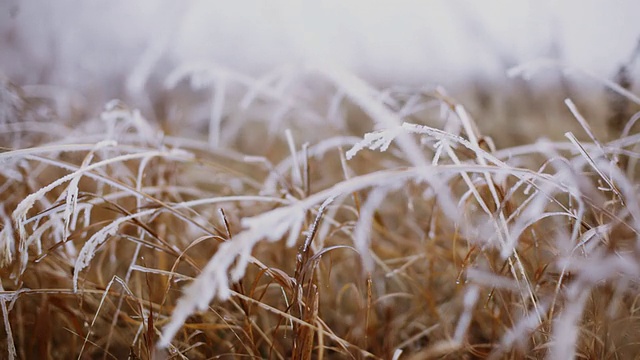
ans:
x=361 y=94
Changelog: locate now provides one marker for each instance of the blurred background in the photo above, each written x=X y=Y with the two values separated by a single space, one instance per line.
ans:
x=90 y=52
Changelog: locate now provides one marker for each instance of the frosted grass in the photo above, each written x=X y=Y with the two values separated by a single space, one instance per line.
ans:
x=567 y=202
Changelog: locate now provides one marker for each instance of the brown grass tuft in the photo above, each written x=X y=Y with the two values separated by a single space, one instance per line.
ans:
x=420 y=239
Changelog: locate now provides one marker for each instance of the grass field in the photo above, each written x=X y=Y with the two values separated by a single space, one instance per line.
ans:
x=321 y=218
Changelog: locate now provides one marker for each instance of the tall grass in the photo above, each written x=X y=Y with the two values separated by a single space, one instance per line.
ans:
x=277 y=229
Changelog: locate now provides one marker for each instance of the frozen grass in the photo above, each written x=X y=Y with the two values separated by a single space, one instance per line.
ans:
x=277 y=229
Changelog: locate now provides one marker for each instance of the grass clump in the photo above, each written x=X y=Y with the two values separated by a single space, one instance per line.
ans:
x=128 y=237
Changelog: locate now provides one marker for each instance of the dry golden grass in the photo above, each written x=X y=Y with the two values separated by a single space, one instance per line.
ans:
x=115 y=230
